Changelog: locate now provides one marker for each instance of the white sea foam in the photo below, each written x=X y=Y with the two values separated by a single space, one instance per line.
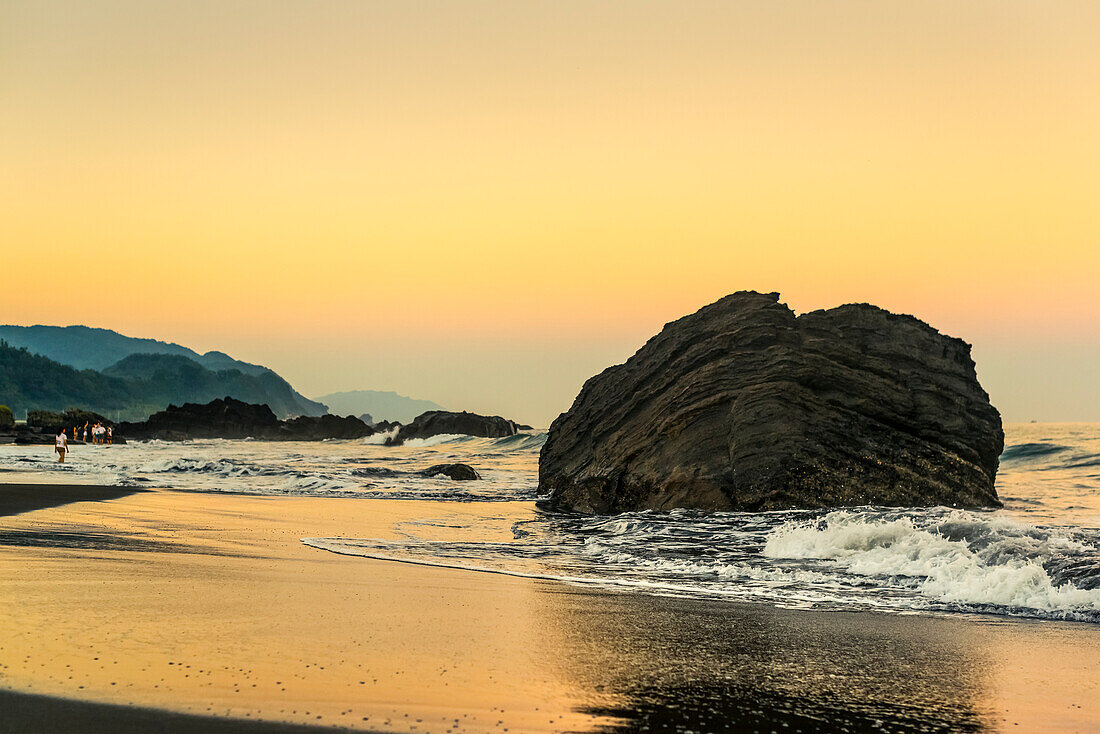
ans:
x=379 y=439
x=956 y=560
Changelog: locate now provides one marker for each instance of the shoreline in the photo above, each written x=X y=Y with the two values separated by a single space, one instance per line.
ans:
x=119 y=594
x=28 y=712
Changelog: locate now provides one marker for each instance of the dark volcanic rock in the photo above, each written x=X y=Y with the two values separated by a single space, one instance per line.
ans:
x=438 y=422
x=458 y=472
x=230 y=418
x=743 y=406
x=221 y=418
x=315 y=428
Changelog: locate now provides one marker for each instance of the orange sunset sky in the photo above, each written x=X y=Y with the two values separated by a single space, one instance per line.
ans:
x=485 y=203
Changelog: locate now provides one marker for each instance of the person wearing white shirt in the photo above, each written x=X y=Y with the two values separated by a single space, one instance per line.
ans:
x=61 y=446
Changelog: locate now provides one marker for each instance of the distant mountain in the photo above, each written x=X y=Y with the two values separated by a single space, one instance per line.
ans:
x=33 y=382
x=84 y=347
x=168 y=378
x=381 y=405
x=132 y=389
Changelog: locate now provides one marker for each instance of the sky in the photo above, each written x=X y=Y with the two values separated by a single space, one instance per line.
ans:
x=485 y=203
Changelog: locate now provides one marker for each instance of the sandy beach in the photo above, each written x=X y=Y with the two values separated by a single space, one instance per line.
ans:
x=124 y=607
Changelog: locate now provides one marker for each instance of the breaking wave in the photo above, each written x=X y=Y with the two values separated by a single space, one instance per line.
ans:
x=960 y=559
x=1039 y=557
x=937 y=560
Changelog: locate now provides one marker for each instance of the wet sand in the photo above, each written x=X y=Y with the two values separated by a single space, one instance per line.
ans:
x=172 y=605
x=18 y=498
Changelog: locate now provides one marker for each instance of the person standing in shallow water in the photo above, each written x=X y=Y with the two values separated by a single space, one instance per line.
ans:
x=61 y=446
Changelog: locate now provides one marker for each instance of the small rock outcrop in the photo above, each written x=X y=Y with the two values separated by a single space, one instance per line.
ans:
x=230 y=418
x=439 y=422
x=320 y=427
x=744 y=406
x=457 y=472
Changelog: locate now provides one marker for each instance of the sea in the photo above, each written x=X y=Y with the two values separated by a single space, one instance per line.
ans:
x=1037 y=557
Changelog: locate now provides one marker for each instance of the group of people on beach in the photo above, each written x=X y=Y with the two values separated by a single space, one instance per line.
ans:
x=100 y=434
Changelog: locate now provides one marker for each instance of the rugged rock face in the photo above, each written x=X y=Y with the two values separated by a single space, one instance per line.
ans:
x=221 y=418
x=229 y=418
x=743 y=406
x=457 y=472
x=438 y=422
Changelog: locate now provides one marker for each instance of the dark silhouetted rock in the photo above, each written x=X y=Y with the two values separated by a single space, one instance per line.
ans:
x=458 y=472
x=743 y=406
x=316 y=428
x=230 y=418
x=440 y=422
x=221 y=418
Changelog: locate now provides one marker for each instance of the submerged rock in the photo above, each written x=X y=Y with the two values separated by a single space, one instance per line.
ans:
x=458 y=472
x=440 y=422
x=743 y=406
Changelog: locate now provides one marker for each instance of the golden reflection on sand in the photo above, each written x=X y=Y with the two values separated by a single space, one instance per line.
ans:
x=211 y=604
x=258 y=625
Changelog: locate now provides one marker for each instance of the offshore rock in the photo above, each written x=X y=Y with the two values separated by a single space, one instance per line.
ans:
x=439 y=422
x=320 y=427
x=231 y=418
x=457 y=472
x=743 y=406
x=221 y=418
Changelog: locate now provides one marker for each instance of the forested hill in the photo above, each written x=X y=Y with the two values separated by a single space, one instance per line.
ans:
x=133 y=388
x=84 y=347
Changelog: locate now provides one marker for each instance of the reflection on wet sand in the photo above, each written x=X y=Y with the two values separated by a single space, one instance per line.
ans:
x=242 y=621
x=665 y=664
x=668 y=664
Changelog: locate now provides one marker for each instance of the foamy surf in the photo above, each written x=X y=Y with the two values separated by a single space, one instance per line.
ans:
x=905 y=561
x=961 y=559
x=1039 y=557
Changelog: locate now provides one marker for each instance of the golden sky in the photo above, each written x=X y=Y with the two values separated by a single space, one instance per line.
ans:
x=484 y=203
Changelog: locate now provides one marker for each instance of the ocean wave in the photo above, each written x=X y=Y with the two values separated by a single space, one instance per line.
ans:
x=521 y=441
x=516 y=442
x=961 y=559
x=220 y=467
x=379 y=439
x=936 y=559
x=376 y=471
x=1031 y=450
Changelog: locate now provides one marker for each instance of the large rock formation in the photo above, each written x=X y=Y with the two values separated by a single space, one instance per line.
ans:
x=439 y=422
x=230 y=418
x=221 y=418
x=743 y=406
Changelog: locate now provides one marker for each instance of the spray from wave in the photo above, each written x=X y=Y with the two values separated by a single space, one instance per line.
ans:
x=962 y=559
x=898 y=560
